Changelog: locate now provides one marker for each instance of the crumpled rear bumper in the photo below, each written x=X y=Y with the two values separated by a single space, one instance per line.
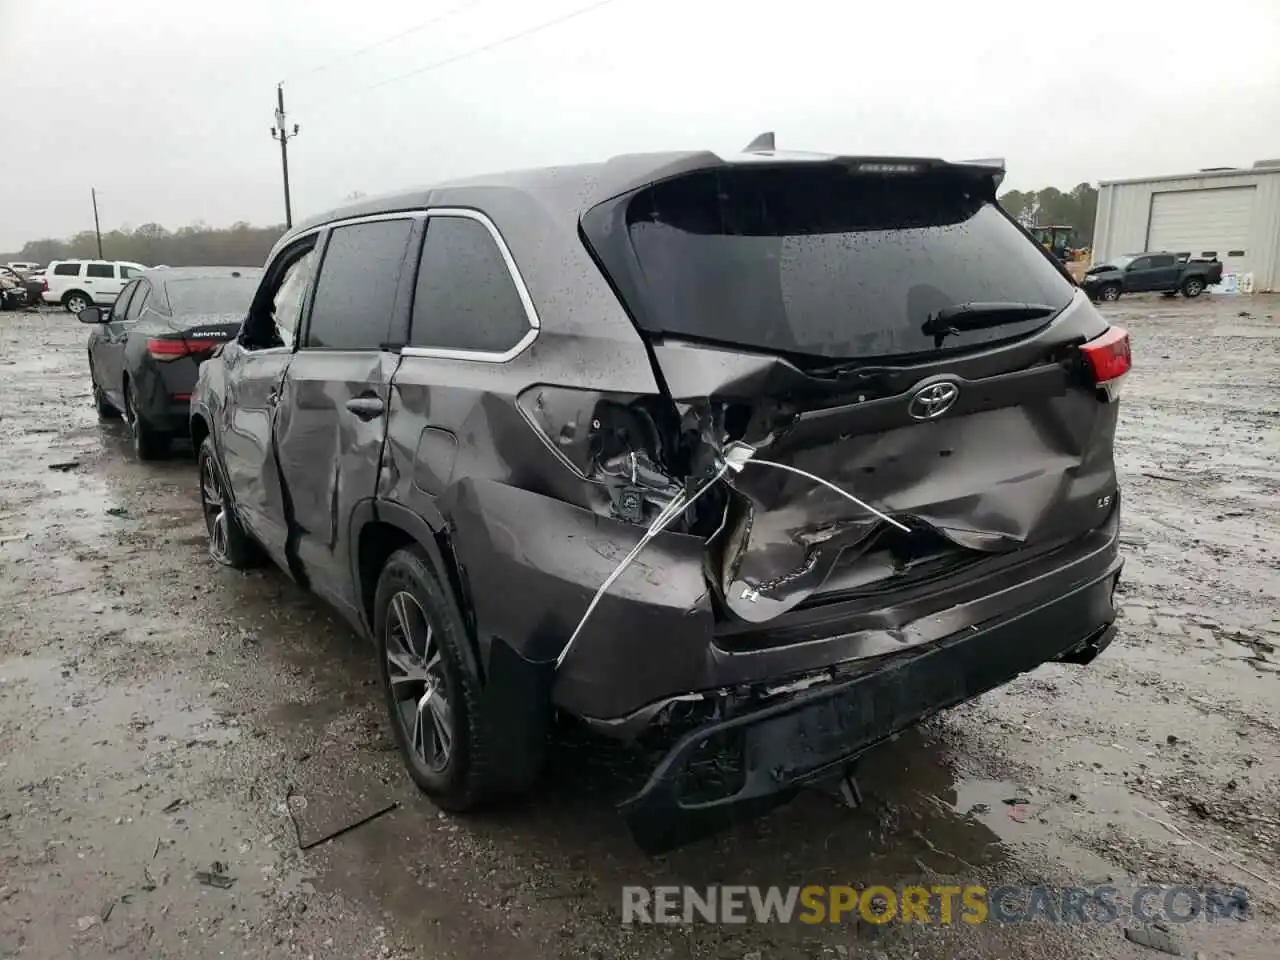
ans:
x=820 y=732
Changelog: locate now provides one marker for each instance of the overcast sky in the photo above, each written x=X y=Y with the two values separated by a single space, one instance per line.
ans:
x=165 y=105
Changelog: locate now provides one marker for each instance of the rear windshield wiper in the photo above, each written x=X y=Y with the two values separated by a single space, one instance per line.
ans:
x=950 y=321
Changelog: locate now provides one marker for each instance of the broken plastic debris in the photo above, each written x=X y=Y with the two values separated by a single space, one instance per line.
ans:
x=216 y=876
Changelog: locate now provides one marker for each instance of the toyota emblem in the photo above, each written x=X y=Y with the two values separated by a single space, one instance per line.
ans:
x=932 y=401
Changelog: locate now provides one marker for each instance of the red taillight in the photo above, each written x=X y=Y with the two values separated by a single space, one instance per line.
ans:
x=182 y=396
x=167 y=349
x=44 y=286
x=1108 y=356
x=172 y=349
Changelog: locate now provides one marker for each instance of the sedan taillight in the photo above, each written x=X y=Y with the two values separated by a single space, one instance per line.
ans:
x=163 y=349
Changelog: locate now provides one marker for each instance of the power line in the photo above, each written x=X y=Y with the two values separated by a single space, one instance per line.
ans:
x=511 y=38
x=453 y=11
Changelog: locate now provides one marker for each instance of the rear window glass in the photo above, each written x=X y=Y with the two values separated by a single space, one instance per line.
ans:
x=102 y=270
x=820 y=262
x=223 y=295
x=356 y=290
x=465 y=298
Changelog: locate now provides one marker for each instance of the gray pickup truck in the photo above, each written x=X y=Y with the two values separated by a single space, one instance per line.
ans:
x=1149 y=272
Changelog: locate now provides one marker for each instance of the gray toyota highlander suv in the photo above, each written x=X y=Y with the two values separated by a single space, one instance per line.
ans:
x=760 y=458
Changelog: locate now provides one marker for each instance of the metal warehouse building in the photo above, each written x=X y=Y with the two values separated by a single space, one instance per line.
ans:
x=1230 y=213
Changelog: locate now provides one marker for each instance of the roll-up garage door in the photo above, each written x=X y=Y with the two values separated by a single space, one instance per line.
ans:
x=1204 y=222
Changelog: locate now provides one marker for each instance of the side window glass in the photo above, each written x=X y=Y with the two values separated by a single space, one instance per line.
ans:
x=1142 y=263
x=126 y=272
x=466 y=297
x=287 y=301
x=139 y=301
x=356 y=289
x=67 y=270
x=121 y=306
x=101 y=271
x=1165 y=261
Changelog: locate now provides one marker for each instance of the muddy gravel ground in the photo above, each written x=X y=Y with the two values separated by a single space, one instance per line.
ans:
x=161 y=718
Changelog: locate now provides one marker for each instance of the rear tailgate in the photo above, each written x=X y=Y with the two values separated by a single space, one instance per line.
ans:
x=797 y=308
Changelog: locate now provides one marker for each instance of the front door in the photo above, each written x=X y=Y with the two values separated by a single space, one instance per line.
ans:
x=331 y=421
x=1138 y=276
x=254 y=366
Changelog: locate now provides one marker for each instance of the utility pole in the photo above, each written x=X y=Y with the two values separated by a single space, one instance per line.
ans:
x=97 y=229
x=281 y=132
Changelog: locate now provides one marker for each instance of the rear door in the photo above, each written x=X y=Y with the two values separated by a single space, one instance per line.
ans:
x=331 y=420
x=811 y=312
x=109 y=359
x=106 y=347
x=254 y=369
x=100 y=282
x=1164 y=272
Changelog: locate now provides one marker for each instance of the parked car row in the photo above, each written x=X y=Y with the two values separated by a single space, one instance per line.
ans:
x=71 y=284
x=21 y=285
x=638 y=445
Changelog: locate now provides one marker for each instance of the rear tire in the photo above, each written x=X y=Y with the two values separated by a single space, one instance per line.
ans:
x=1192 y=287
x=1110 y=293
x=148 y=442
x=76 y=300
x=430 y=684
x=229 y=543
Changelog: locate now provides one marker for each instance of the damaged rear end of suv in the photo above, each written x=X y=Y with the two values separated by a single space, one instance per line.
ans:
x=882 y=450
x=750 y=462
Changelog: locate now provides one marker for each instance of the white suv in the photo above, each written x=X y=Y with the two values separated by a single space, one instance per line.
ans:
x=78 y=283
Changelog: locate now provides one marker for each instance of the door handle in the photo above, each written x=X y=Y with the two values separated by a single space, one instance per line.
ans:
x=273 y=395
x=366 y=408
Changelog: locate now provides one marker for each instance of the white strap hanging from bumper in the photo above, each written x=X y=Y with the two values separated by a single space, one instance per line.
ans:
x=736 y=457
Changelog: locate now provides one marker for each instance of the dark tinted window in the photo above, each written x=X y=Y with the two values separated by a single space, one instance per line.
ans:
x=212 y=295
x=1167 y=260
x=817 y=260
x=356 y=289
x=1235 y=253
x=1141 y=263
x=67 y=270
x=102 y=270
x=465 y=297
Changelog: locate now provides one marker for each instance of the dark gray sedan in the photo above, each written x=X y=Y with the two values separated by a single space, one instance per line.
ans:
x=145 y=351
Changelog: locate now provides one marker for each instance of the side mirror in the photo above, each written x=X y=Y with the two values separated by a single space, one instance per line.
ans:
x=92 y=315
